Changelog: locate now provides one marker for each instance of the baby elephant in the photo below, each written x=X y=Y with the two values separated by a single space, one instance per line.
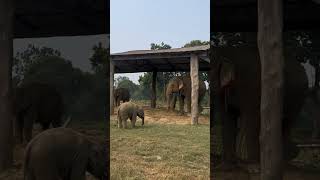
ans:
x=129 y=110
x=61 y=153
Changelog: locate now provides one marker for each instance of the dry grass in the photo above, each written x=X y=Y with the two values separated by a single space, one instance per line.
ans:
x=167 y=147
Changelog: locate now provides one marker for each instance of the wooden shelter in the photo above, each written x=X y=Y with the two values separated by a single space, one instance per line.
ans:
x=269 y=18
x=39 y=18
x=193 y=59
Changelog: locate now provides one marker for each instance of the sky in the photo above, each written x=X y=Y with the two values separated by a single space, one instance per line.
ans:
x=77 y=49
x=135 y=24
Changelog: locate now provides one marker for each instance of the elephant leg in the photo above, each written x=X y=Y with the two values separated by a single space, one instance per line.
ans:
x=168 y=102
x=19 y=128
x=120 y=123
x=229 y=136
x=133 y=120
x=248 y=146
x=181 y=104
x=289 y=148
x=125 y=124
x=174 y=102
x=28 y=126
x=188 y=105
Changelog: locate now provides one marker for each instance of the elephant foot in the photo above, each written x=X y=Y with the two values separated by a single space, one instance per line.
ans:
x=251 y=168
x=226 y=166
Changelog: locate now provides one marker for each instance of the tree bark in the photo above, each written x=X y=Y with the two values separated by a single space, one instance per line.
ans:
x=6 y=54
x=270 y=45
x=316 y=124
x=154 y=90
x=111 y=87
x=194 y=73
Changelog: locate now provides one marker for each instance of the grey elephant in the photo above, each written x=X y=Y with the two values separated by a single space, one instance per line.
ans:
x=36 y=102
x=129 y=110
x=62 y=153
x=238 y=94
x=181 y=87
x=121 y=94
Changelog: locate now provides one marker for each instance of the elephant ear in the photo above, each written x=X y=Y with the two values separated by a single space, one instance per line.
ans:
x=226 y=73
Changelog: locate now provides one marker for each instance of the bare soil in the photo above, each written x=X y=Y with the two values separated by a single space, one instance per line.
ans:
x=162 y=116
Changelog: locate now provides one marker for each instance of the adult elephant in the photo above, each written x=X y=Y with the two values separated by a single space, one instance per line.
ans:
x=121 y=94
x=236 y=72
x=36 y=102
x=181 y=87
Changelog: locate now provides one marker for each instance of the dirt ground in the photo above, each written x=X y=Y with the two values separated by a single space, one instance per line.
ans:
x=16 y=172
x=161 y=116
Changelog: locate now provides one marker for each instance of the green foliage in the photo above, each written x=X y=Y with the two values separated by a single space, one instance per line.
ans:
x=159 y=46
x=83 y=93
x=125 y=82
x=99 y=58
x=24 y=60
x=196 y=43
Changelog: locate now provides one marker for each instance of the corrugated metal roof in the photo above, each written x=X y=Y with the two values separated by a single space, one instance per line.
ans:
x=173 y=50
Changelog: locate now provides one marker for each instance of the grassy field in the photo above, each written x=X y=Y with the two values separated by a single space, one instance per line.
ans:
x=167 y=147
x=94 y=130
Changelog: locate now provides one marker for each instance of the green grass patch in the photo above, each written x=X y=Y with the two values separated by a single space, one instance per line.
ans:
x=158 y=151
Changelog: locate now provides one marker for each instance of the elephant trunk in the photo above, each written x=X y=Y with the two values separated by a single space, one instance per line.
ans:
x=142 y=121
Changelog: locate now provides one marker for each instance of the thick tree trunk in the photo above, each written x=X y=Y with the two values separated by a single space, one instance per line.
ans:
x=194 y=73
x=111 y=87
x=316 y=122
x=154 y=90
x=270 y=45
x=6 y=53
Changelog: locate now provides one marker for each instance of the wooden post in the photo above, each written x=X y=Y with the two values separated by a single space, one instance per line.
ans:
x=154 y=90
x=194 y=73
x=272 y=63
x=111 y=87
x=6 y=54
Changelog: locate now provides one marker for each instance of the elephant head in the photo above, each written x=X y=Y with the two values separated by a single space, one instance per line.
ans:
x=140 y=113
x=227 y=74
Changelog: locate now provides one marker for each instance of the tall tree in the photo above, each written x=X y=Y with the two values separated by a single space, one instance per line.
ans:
x=196 y=43
x=24 y=60
x=99 y=58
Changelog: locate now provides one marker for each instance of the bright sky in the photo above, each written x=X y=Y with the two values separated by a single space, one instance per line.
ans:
x=135 y=24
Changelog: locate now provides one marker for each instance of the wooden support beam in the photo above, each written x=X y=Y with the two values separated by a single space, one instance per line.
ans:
x=194 y=74
x=154 y=90
x=6 y=54
x=270 y=43
x=111 y=87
